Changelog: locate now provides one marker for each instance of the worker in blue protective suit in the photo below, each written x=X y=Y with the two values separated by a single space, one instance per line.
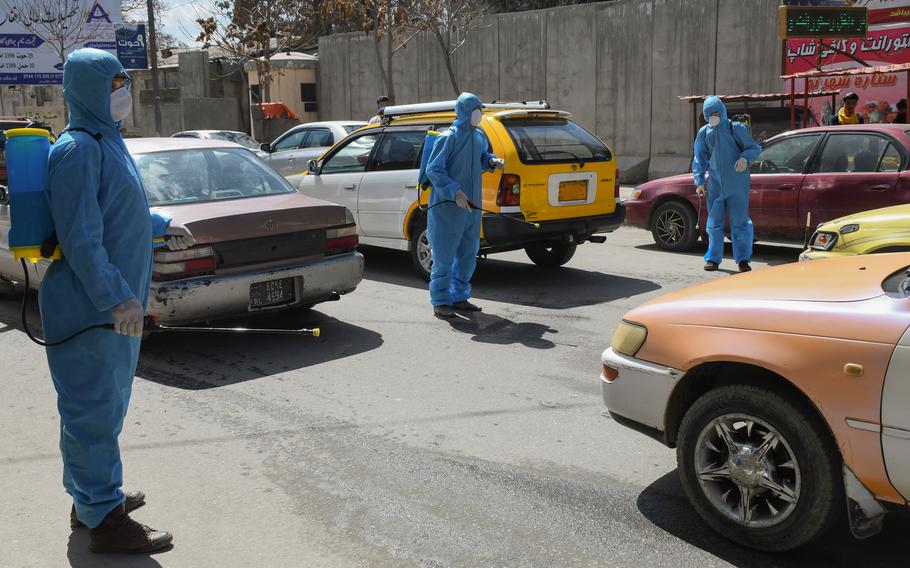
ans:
x=101 y=218
x=460 y=156
x=723 y=152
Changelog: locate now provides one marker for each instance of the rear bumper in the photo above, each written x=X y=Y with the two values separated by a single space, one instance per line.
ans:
x=501 y=233
x=214 y=297
x=641 y=391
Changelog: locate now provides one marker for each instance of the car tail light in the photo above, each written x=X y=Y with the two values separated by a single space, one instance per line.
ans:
x=342 y=239
x=509 y=191
x=616 y=187
x=174 y=264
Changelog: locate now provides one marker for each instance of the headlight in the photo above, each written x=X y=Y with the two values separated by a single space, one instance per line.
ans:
x=628 y=338
x=823 y=240
x=851 y=228
x=636 y=194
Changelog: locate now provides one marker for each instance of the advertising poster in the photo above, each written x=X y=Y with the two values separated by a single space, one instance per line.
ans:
x=27 y=58
x=885 y=44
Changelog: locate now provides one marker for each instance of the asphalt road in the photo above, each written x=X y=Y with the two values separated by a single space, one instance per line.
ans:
x=396 y=439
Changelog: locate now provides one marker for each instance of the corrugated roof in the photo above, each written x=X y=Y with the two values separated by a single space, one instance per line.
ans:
x=756 y=97
x=848 y=71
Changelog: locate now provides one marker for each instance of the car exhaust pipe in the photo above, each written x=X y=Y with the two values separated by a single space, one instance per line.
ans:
x=600 y=239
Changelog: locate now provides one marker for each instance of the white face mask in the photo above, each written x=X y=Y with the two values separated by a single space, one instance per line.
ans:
x=714 y=120
x=475 y=117
x=121 y=104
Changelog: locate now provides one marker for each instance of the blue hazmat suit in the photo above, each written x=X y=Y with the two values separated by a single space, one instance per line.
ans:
x=101 y=217
x=717 y=149
x=459 y=157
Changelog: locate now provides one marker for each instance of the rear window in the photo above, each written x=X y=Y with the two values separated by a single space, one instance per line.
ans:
x=195 y=176
x=554 y=141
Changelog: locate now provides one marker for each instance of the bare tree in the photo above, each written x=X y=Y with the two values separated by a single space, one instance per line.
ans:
x=136 y=12
x=255 y=30
x=449 y=22
x=388 y=21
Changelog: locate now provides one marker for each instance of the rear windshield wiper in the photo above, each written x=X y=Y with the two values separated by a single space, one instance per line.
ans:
x=581 y=161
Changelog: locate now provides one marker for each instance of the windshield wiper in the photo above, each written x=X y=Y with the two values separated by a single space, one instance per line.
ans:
x=581 y=161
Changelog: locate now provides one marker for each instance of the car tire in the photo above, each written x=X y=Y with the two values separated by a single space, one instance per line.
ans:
x=673 y=226
x=795 y=489
x=419 y=248
x=551 y=256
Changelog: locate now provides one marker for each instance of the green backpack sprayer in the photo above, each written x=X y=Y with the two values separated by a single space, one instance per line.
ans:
x=32 y=237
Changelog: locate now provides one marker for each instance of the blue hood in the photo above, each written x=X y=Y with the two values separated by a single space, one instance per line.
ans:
x=87 y=76
x=712 y=105
x=464 y=106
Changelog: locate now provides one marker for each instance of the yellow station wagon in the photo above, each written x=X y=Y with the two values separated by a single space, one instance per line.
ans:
x=557 y=174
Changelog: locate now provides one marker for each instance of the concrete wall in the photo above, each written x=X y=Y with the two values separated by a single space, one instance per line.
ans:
x=618 y=67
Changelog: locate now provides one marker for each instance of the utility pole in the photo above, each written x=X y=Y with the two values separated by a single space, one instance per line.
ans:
x=153 y=48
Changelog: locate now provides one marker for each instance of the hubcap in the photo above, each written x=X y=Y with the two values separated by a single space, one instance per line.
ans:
x=747 y=470
x=424 y=253
x=671 y=227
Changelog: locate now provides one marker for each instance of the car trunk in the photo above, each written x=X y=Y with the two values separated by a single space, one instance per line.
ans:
x=258 y=232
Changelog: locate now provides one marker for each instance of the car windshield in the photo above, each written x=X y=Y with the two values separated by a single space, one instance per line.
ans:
x=352 y=127
x=194 y=176
x=236 y=138
x=546 y=140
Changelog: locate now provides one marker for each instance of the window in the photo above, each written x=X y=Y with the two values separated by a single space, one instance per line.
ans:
x=399 y=151
x=319 y=138
x=291 y=141
x=351 y=158
x=786 y=156
x=254 y=89
x=308 y=97
x=352 y=127
x=891 y=161
x=554 y=140
x=206 y=175
x=852 y=153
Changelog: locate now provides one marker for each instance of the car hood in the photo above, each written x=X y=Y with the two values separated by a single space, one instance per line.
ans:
x=896 y=217
x=253 y=217
x=682 y=179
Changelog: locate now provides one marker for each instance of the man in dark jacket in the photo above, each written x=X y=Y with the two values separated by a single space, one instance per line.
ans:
x=847 y=113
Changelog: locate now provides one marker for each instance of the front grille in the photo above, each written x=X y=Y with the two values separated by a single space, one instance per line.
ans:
x=245 y=252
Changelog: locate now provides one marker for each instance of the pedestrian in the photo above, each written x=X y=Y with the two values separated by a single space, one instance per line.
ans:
x=381 y=103
x=901 y=117
x=723 y=152
x=460 y=156
x=102 y=222
x=847 y=113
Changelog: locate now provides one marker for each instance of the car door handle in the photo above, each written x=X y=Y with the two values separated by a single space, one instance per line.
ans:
x=786 y=187
x=351 y=187
x=883 y=187
x=411 y=186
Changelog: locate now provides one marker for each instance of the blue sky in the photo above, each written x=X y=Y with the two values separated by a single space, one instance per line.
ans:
x=182 y=14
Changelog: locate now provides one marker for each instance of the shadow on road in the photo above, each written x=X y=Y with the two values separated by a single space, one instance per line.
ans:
x=79 y=556
x=489 y=328
x=521 y=283
x=770 y=254
x=200 y=361
x=664 y=503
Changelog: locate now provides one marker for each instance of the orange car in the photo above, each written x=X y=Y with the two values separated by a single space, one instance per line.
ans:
x=786 y=393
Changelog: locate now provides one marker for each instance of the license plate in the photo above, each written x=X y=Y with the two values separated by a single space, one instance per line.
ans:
x=573 y=190
x=272 y=293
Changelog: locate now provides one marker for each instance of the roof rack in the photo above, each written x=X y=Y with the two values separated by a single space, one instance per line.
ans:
x=443 y=106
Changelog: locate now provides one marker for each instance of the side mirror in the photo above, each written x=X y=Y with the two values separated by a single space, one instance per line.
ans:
x=267 y=148
x=313 y=167
x=4 y=195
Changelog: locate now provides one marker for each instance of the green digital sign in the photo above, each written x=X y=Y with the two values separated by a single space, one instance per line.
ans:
x=822 y=22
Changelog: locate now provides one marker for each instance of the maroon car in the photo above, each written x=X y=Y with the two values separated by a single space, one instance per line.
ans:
x=804 y=177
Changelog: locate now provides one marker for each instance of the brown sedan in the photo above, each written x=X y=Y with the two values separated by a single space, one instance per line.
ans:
x=260 y=245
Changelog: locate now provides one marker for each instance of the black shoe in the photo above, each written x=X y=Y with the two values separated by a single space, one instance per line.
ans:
x=134 y=500
x=466 y=306
x=119 y=533
x=744 y=267
x=445 y=312
x=710 y=266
